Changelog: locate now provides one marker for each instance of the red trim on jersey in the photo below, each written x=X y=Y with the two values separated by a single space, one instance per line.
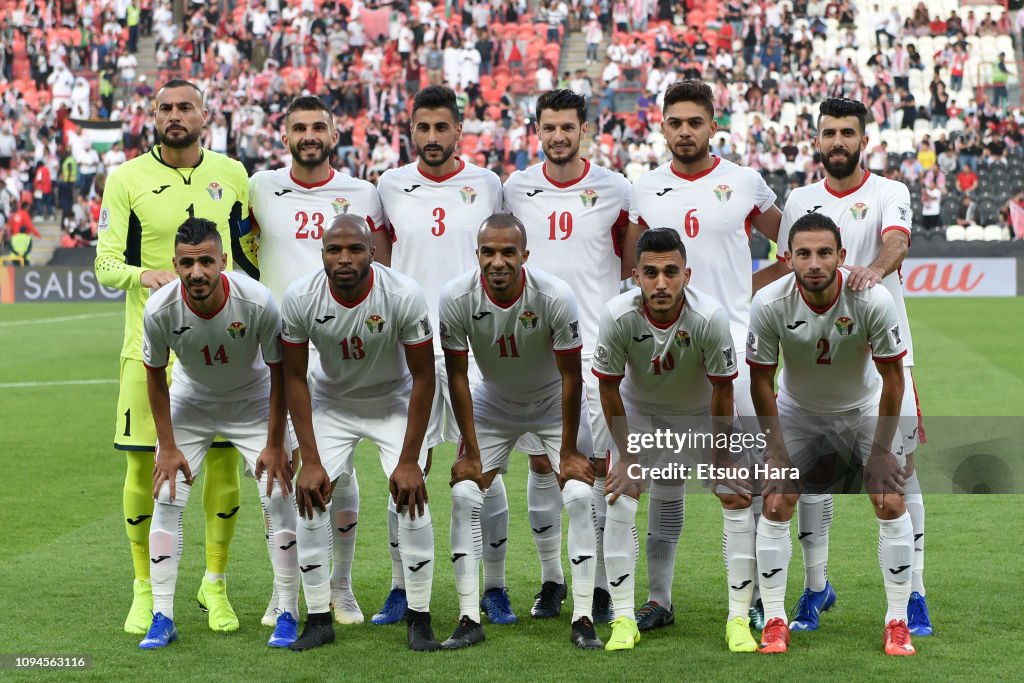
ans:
x=641 y=222
x=749 y=219
x=442 y=178
x=253 y=221
x=719 y=378
x=921 y=437
x=761 y=366
x=840 y=195
x=208 y=316
x=510 y=303
x=889 y=359
x=663 y=326
x=361 y=299
x=272 y=365
x=295 y=344
x=896 y=227
x=696 y=176
x=428 y=340
x=154 y=368
x=310 y=186
x=562 y=186
x=619 y=232
x=568 y=352
x=601 y=375
x=781 y=259
x=819 y=311
x=456 y=352
x=373 y=227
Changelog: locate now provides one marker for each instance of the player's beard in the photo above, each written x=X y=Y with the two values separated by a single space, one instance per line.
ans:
x=447 y=153
x=568 y=155
x=206 y=294
x=188 y=140
x=296 y=152
x=662 y=305
x=810 y=287
x=350 y=284
x=700 y=152
x=841 y=169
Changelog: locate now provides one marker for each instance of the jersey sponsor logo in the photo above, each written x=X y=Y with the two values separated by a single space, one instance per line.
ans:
x=534 y=193
x=237 y=330
x=425 y=326
x=375 y=323
x=589 y=199
x=324 y=319
x=468 y=195
x=814 y=208
x=664 y=192
x=409 y=189
x=642 y=338
x=104 y=222
x=481 y=315
x=340 y=205
x=574 y=327
x=751 y=344
x=529 y=320
x=601 y=354
x=859 y=211
x=729 y=357
x=895 y=332
x=281 y=193
x=215 y=190
x=844 y=326
x=160 y=189
x=723 y=193
x=794 y=325
x=682 y=339
x=181 y=330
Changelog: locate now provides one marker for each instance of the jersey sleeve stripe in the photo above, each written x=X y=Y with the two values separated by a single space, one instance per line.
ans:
x=896 y=227
x=288 y=342
x=618 y=232
x=569 y=352
x=604 y=375
x=762 y=366
x=889 y=359
x=723 y=378
x=414 y=345
x=274 y=364
x=154 y=368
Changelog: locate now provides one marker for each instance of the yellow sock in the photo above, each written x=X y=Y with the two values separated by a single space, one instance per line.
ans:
x=138 y=508
x=220 y=503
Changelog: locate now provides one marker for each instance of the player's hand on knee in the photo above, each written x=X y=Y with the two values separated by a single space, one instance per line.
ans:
x=776 y=484
x=274 y=461
x=467 y=468
x=312 y=489
x=408 y=488
x=621 y=480
x=883 y=475
x=574 y=465
x=168 y=462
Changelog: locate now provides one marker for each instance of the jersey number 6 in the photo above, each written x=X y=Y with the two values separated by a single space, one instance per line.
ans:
x=690 y=225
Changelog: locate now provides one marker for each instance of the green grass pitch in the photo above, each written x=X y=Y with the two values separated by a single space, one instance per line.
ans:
x=66 y=575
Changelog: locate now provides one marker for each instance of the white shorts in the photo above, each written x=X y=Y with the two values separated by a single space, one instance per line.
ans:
x=442 y=426
x=244 y=423
x=499 y=423
x=668 y=460
x=530 y=444
x=338 y=430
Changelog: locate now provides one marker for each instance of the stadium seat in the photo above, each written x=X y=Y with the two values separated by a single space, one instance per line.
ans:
x=974 y=233
x=993 y=233
x=955 y=233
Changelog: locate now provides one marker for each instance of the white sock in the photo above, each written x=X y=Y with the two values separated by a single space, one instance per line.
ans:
x=466 y=540
x=815 y=520
x=544 y=505
x=281 y=519
x=738 y=539
x=397 y=571
x=620 y=551
x=756 y=505
x=915 y=506
x=665 y=517
x=165 y=545
x=600 y=512
x=416 y=543
x=582 y=545
x=494 y=524
x=345 y=518
x=314 y=554
x=774 y=551
x=896 y=558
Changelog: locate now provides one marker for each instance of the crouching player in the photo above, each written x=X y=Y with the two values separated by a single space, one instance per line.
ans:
x=829 y=335
x=225 y=331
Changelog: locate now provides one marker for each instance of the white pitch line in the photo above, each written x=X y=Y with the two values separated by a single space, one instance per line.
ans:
x=23 y=385
x=58 y=319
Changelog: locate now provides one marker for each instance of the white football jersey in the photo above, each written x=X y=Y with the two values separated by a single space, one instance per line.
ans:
x=222 y=356
x=514 y=344
x=667 y=367
x=362 y=345
x=863 y=215
x=435 y=221
x=712 y=212
x=827 y=352
x=574 y=231
x=292 y=217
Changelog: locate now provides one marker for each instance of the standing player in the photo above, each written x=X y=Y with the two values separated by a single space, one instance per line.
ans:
x=144 y=202
x=373 y=379
x=713 y=203
x=434 y=207
x=665 y=349
x=225 y=330
x=576 y=216
x=522 y=327
x=829 y=335
x=874 y=215
x=289 y=210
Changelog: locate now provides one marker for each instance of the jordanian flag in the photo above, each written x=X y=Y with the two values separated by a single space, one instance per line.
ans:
x=102 y=134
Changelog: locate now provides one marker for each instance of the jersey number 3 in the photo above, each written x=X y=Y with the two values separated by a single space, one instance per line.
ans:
x=438 y=229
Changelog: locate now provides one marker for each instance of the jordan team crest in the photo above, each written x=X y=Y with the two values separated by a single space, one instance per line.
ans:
x=215 y=190
x=723 y=192
x=236 y=330
x=682 y=339
x=859 y=211
x=844 y=326
x=375 y=323
x=468 y=195
x=589 y=199
x=528 y=319
x=340 y=205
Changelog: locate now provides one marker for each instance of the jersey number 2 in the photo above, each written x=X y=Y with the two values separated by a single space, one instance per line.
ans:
x=823 y=349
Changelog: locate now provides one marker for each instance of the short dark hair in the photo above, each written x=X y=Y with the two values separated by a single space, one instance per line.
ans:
x=690 y=90
x=660 y=240
x=181 y=83
x=437 y=97
x=503 y=220
x=562 y=99
x=196 y=231
x=812 y=222
x=307 y=103
x=839 y=107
